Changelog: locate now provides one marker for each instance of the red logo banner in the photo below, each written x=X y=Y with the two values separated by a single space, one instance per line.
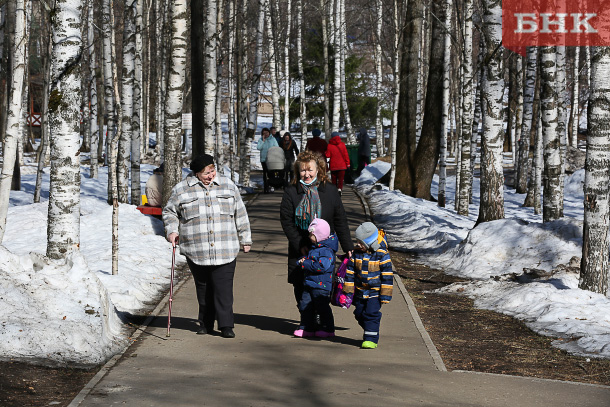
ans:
x=555 y=22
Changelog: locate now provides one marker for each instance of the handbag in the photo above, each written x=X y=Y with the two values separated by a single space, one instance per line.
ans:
x=337 y=297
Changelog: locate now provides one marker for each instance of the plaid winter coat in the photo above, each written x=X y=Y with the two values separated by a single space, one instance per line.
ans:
x=211 y=222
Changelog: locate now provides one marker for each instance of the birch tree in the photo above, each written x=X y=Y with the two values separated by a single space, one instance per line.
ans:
x=231 y=87
x=9 y=146
x=526 y=125
x=113 y=145
x=492 y=175
x=303 y=106
x=43 y=149
x=465 y=186
x=287 y=62
x=245 y=136
x=136 y=121
x=109 y=102
x=442 y=179
x=219 y=59
x=378 y=78
x=336 y=41
x=173 y=104
x=209 y=58
x=325 y=6
x=351 y=136
x=127 y=84
x=63 y=225
x=594 y=261
x=552 y=206
x=396 y=94
x=272 y=58
x=573 y=126
x=93 y=111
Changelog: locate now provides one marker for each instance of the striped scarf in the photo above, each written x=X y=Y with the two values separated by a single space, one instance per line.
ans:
x=310 y=206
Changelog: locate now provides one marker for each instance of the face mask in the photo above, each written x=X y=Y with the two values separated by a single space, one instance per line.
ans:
x=312 y=181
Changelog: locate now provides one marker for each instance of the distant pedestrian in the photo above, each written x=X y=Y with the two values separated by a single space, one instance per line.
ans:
x=339 y=160
x=370 y=278
x=316 y=143
x=364 y=150
x=291 y=151
x=154 y=187
x=276 y=135
x=264 y=144
x=318 y=266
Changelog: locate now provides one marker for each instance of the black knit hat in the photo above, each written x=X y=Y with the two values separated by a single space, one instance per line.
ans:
x=201 y=162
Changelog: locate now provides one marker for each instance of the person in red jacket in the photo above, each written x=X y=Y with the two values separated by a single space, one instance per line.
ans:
x=339 y=159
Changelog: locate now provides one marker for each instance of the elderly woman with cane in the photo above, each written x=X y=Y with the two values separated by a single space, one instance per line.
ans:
x=310 y=196
x=206 y=215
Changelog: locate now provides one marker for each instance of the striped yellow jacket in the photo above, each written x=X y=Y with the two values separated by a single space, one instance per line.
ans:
x=369 y=274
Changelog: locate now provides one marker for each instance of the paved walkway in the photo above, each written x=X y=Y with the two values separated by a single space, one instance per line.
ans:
x=266 y=366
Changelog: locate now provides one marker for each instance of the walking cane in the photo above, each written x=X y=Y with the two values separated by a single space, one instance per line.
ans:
x=171 y=289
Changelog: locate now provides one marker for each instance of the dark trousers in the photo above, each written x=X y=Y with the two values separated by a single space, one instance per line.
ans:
x=265 y=178
x=214 y=285
x=338 y=176
x=315 y=301
x=363 y=161
x=368 y=315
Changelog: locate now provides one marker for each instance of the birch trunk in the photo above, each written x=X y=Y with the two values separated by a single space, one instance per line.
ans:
x=114 y=145
x=136 y=120
x=231 y=88
x=562 y=111
x=93 y=116
x=9 y=145
x=209 y=58
x=574 y=116
x=254 y=92
x=351 y=136
x=492 y=175
x=336 y=41
x=173 y=104
x=467 y=110
x=272 y=58
x=442 y=179
x=108 y=62
x=526 y=125
x=127 y=84
x=220 y=150
x=553 y=197
x=378 y=79
x=245 y=136
x=303 y=106
x=396 y=99
x=63 y=224
x=594 y=262
x=44 y=119
x=287 y=63
x=325 y=6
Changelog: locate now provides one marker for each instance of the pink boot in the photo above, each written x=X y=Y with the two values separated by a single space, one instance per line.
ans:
x=301 y=333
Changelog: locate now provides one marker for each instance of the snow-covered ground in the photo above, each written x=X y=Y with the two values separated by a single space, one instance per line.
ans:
x=494 y=255
x=71 y=312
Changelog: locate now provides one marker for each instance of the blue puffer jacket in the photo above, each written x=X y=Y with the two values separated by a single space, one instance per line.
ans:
x=319 y=264
x=265 y=145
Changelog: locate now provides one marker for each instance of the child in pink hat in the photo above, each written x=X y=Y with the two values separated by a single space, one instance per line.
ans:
x=318 y=266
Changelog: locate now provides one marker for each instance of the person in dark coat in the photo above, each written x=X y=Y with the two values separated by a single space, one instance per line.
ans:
x=364 y=150
x=310 y=196
x=291 y=151
x=316 y=143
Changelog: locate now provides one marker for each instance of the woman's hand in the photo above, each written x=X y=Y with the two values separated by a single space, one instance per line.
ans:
x=247 y=248
x=173 y=238
x=349 y=254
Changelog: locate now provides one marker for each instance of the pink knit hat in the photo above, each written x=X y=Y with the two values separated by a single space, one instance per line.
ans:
x=320 y=229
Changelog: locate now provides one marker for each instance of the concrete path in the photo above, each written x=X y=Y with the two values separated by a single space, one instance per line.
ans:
x=265 y=366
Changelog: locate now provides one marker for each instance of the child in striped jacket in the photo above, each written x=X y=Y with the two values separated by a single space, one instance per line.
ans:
x=370 y=278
